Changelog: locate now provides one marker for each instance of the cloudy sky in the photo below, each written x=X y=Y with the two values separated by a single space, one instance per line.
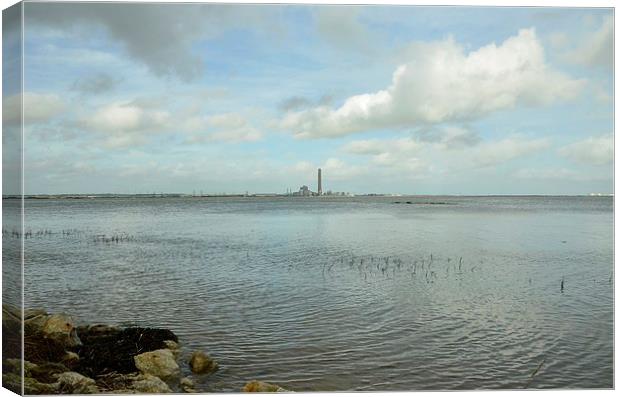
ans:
x=136 y=98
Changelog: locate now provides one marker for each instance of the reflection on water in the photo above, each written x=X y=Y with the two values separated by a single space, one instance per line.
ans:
x=344 y=294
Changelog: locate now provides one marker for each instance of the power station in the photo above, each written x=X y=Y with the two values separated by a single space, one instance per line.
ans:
x=305 y=191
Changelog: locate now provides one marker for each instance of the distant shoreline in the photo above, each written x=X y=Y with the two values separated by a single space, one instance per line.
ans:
x=179 y=195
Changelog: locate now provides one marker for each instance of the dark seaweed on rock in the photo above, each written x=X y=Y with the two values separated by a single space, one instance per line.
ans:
x=38 y=349
x=108 y=349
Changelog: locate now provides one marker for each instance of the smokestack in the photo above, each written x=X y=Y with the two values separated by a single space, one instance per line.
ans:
x=320 y=188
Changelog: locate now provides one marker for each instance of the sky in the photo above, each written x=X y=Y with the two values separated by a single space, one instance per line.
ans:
x=182 y=98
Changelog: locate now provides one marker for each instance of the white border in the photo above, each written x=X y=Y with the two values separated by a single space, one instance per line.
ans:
x=487 y=3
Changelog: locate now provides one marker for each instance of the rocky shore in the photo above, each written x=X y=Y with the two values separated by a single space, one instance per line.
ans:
x=62 y=358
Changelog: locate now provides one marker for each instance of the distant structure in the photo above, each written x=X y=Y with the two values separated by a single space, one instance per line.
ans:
x=304 y=191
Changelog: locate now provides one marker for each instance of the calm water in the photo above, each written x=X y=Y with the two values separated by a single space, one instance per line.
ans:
x=344 y=294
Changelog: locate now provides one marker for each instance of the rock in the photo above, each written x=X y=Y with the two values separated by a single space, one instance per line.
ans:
x=132 y=383
x=60 y=327
x=13 y=382
x=14 y=365
x=38 y=379
x=70 y=359
x=146 y=383
x=47 y=372
x=34 y=319
x=11 y=332
x=39 y=324
x=47 y=338
x=160 y=363
x=201 y=363
x=187 y=385
x=74 y=383
x=173 y=347
x=262 y=387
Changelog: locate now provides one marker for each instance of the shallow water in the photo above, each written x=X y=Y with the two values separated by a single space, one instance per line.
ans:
x=323 y=294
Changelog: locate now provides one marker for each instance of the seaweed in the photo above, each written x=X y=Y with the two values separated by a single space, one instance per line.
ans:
x=113 y=350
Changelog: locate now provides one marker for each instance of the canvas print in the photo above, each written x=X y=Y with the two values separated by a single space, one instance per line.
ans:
x=284 y=197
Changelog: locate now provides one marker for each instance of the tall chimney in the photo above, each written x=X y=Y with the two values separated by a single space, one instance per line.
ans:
x=320 y=189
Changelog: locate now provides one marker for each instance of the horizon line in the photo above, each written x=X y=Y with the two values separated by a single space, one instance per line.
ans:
x=271 y=194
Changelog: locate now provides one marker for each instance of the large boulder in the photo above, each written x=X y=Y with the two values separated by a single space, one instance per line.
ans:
x=201 y=363
x=262 y=387
x=61 y=328
x=160 y=363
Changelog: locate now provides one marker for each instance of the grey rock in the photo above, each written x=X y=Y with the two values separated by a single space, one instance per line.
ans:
x=13 y=382
x=256 y=386
x=201 y=363
x=187 y=385
x=145 y=383
x=74 y=383
x=61 y=328
x=132 y=383
x=173 y=347
x=160 y=363
x=70 y=359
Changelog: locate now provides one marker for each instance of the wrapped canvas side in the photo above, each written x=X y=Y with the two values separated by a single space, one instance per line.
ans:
x=12 y=199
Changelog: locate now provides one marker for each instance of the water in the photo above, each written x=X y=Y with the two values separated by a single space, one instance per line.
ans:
x=342 y=294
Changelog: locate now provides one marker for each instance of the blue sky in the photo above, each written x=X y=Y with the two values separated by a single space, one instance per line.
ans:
x=138 y=98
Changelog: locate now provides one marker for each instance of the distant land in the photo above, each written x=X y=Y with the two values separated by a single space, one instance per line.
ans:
x=177 y=195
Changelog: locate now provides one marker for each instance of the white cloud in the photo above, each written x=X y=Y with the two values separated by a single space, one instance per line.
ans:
x=38 y=108
x=398 y=155
x=126 y=124
x=243 y=134
x=593 y=150
x=119 y=118
x=339 y=170
x=379 y=146
x=601 y=93
x=336 y=168
x=497 y=152
x=303 y=167
x=227 y=120
x=551 y=174
x=413 y=158
x=124 y=141
x=595 y=48
x=134 y=123
x=559 y=39
x=441 y=83
x=226 y=127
